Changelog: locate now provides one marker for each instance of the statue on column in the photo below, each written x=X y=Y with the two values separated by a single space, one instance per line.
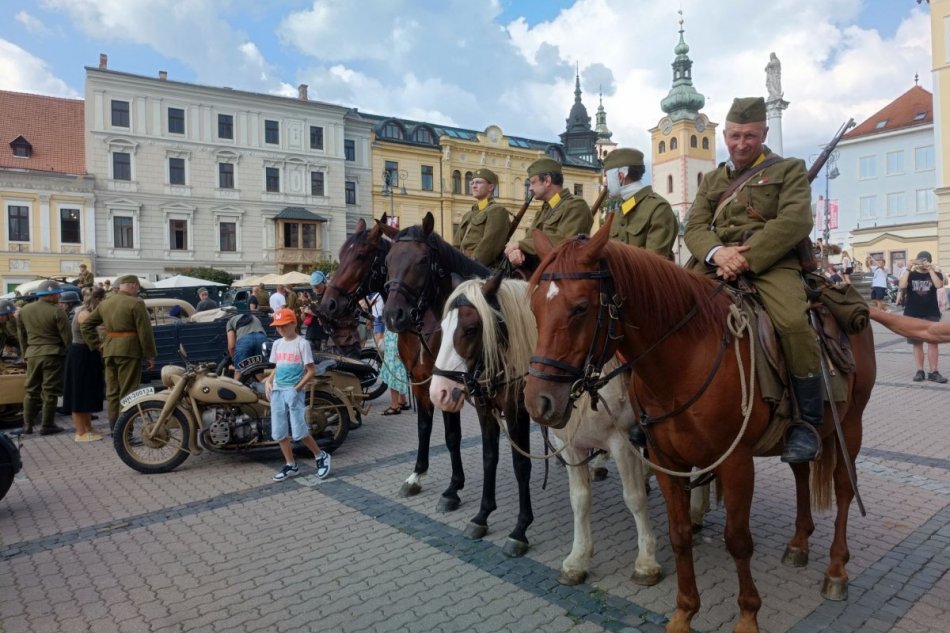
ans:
x=773 y=78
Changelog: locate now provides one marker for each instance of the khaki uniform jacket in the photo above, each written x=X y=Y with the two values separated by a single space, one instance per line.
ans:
x=86 y=279
x=128 y=330
x=774 y=207
x=570 y=217
x=263 y=298
x=292 y=300
x=650 y=224
x=44 y=330
x=8 y=333
x=482 y=234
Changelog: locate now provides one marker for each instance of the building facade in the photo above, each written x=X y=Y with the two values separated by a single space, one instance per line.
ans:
x=885 y=187
x=190 y=175
x=46 y=197
x=940 y=51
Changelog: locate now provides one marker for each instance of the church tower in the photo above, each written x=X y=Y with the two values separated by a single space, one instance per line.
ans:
x=684 y=141
x=603 y=144
x=579 y=139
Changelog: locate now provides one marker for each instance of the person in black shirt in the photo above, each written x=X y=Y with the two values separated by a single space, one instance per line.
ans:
x=920 y=284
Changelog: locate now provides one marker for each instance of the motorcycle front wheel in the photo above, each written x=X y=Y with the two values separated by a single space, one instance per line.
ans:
x=377 y=387
x=161 y=453
x=328 y=419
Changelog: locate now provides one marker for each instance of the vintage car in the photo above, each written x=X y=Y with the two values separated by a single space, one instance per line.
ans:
x=12 y=381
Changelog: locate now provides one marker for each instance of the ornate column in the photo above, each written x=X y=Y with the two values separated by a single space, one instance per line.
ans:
x=775 y=104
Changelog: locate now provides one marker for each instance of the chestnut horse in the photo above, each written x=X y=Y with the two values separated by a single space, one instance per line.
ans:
x=593 y=297
x=488 y=334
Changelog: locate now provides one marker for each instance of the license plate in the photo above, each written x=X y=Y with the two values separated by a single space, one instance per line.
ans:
x=138 y=393
x=250 y=361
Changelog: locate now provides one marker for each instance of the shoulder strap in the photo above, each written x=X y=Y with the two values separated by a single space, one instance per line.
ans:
x=729 y=194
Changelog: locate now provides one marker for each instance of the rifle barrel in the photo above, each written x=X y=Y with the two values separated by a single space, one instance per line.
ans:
x=518 y=216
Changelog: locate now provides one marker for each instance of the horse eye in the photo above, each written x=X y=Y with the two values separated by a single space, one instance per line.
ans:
x=470 y=331
x=579 y=309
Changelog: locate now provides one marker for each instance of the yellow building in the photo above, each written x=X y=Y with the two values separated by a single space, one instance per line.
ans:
x=421 y=167
x=940 y=50
x=47 y=202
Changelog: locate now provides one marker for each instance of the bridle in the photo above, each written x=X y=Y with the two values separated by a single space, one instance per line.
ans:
x=367 y=284
x=422 y=300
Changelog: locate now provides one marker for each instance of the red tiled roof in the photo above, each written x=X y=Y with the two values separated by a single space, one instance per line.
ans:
x=914 y=107
x=53 y=126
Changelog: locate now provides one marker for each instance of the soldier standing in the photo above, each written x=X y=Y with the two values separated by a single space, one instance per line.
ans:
x=128 y=338
x=263 y=297
x=44 y=335
x=9 y=337
x=561 y=216
x=747 y=218
x=643 y=218
x=85 y=277
x=484 y=228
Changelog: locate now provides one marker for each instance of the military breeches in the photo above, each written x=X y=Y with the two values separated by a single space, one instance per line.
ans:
x=123 y=376
x=783 y=296
x=44 y=384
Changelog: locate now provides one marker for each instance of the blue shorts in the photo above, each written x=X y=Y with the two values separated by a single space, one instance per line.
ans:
x=878 y=293
x=378 y=326
x=248 y=345
x=288 y=414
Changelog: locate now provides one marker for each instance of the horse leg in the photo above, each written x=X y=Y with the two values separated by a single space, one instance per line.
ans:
x=646 y=570
x=796 y=552
x=453 y=441
x=698 y=506
x=737 y=477
x=598 y=466
x=681 y=540
x=575 y=567
x=835 y=586
x=413 y=484
x=519 y=434
x=478 y=526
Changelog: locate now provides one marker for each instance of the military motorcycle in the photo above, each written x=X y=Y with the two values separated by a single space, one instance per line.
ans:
x=199 y=410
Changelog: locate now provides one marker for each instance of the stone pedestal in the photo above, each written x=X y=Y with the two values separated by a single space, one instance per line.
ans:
x=773 y=110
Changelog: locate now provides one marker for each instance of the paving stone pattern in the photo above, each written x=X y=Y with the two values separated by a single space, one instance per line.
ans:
x=88 y=545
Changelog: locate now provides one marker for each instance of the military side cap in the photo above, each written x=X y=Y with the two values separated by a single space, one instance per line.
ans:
x=747 y=110
x=127 y=279
x=48 y=287
x=486 y=175
x=623 y=157
x=544 y=166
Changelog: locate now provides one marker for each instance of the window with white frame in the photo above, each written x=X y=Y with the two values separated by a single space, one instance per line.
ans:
x=120 y=113
x=926 y=201
x=123 y=231
x=350 y=192
x=895 y=203
x=18 y=223
x=176 y=121
x=227 y=237
x=924 y=158
x=272 y=179
x=176 y=171
x=895 y=162
x=178 y=235
x=121 y=166
x=316 y=183
x=225 y=175
x=70 y=226
x=226 y=126
x=868 y=207
x=867 y=167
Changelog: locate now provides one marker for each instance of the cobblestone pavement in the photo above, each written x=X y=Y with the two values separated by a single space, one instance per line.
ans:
x=88 y=545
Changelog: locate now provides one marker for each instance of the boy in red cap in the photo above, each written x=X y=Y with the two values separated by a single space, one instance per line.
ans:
x=285 y=389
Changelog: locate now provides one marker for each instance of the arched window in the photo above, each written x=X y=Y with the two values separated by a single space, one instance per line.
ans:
x=456 y=181
x=673 y=143
x=705 y=143
x=692 y=141
x=669 y=183
x=662 y=147
x=423 y=135
x=468 y=183
x=391 y=130
x=699 y=176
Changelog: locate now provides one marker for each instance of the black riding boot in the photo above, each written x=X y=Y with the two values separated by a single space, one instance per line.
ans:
x=638 y=436
x=801 y=444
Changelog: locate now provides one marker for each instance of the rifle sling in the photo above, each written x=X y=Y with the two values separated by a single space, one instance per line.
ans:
x=729 y=194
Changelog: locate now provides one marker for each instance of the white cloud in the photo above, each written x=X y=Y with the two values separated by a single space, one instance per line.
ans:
x=31 y=23
x=22 y=72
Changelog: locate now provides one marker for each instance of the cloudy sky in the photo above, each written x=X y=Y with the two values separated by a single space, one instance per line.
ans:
x=473 y=63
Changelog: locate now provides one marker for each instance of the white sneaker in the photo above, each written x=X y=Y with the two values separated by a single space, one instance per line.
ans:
x=323 y=464
x=288 y=471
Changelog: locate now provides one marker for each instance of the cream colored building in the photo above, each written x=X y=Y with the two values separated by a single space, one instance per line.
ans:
x=46 y=198
x=940 y=46
x=192 y=175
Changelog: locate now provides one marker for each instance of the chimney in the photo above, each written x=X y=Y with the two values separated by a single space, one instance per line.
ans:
x=302 y=92
x=163 y=74
x=103 y=61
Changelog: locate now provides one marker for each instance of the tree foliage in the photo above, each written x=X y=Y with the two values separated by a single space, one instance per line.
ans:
x=328 y=266
x=211 y=274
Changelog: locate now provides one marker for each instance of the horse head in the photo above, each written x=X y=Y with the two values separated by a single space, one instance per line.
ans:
x=361 y=257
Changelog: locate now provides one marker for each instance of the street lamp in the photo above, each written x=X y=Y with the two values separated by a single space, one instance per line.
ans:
x=389 y=187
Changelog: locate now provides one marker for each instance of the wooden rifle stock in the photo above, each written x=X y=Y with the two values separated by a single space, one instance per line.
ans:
x=599 y=201
x=520 y=214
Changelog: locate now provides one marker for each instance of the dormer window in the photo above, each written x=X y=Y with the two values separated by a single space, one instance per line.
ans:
x=880 y=125
x=21 y=147
x=920 y=116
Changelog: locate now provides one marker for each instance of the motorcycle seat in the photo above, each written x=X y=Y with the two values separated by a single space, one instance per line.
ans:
x=324 y=365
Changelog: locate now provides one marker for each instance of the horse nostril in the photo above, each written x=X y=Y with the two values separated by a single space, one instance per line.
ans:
x=545 y=406
x=331 y=305
x=456 y=394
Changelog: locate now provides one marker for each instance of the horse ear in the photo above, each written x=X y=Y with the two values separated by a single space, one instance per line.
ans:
x=360 y=225
x=592 y=250
x=428 y=223
x=542 y=243
x=383 y=220
x=456 y=280
x=492 y=284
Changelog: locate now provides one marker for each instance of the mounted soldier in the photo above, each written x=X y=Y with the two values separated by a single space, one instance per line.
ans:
x=483 y=230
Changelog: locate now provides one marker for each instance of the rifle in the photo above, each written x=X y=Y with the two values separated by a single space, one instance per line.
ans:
x=518 y=216
x=598 y=201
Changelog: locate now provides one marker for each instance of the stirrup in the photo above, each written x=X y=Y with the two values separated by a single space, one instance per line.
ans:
x=791 y=454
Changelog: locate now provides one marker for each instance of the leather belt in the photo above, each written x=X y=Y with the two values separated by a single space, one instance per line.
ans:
x=115 y=334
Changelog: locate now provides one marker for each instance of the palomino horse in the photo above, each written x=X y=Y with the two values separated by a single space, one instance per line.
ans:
x=593 y=297
x=488 y=334
x=419 y=266
x=362 y=271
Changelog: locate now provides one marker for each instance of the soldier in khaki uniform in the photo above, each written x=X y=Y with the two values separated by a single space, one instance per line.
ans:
x=562 y=215
x=484 y=229
x=9 y=338
x=128 y=338
x=753 y=231
x=642 y=218
x=263 y=297
x=44 y=335
x=85 y=277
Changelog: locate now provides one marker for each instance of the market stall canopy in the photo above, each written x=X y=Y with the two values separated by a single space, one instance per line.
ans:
x=184 y=281
x=293 y=278
x=246 y=282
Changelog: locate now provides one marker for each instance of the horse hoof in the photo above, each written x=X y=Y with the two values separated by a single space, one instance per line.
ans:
x=600 y=474
x=410 y=490
x=448 y=504
x=835 y=589
x=795 y=557
x=646 y=580
x=474 y=531
x=571 y=578
x=515 y=549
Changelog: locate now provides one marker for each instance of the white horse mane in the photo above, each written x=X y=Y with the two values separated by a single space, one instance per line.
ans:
x=522 y=331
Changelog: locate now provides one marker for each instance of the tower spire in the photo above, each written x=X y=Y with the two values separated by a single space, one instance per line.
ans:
x=683 y=101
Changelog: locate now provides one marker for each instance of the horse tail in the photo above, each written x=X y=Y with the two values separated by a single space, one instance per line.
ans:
x=822 y=475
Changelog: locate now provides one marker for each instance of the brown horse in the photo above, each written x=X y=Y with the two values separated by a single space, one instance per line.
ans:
x=593 y=297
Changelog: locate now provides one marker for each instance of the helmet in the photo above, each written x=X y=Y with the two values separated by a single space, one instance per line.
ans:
x=7 y=307
x=70 y=296
x=48 y=287
x=284 y=316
